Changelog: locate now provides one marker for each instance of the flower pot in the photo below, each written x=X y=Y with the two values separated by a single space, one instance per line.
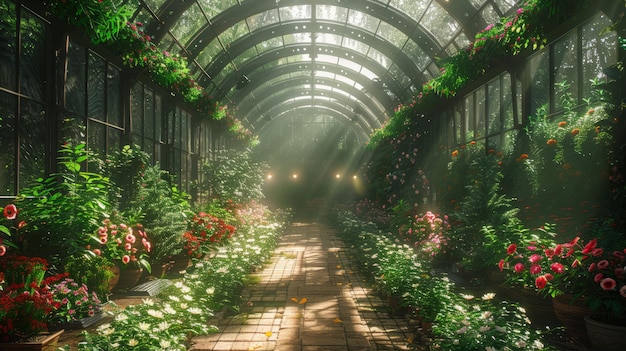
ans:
x=42 y=342
x=116 y=277
x=571 y=313
x=129 y=277
x=604 y=336
x=82 y=323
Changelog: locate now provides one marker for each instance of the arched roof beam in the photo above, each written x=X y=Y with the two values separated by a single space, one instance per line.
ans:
x=340 y=110
x=362 y=136
x=241 y=45
x=256 y=80
x=270 y=56
x=290 y=87
x=377 y=9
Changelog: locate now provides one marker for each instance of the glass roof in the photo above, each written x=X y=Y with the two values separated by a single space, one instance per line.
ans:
x=390 y=45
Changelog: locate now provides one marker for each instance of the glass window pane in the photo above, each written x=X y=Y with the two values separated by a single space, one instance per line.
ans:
x=333 y=13
x=416 y=54
x=392 y=34
x=412 y=8
x=539 y=75
x=114 y=141
x=599 y=51
x=32 y=142
x=136 y=109
x=114 y=86
x=362 y=20
x=75 y=83
x=74 y=129
x=269 y=44
x=507 y=102
x=213 y=7
x=96 y=137
x=188 y=24
x=32 y=59
x=95 y=87
x=233 y=33
x=158 y=117
x=439 y=23
x=480 y=113
x=148 y=114
x=297 y=12
x=8 y=106
x=8 y=45
x=493 y=106
x=263 y=19
x=469 y=118
x=566 y=67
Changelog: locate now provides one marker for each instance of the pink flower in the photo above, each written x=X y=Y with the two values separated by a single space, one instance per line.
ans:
x=558 y=250
x=597 y=252
x=125 y=259
x=608 y=284
x=3 y=250
x=535 y=269
x=592 y=267
x=128 y=246
x=598 y=277
x=511 y=249
x=130 y=238
x=603 y=264
x=97 y=252
x=534 y=258
x=541 y=282
x=518 y=268
x=501 y=265
x=557 y=267
x=622 y=291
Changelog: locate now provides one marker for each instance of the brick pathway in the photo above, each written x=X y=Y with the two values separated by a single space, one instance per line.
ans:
x=309 y=299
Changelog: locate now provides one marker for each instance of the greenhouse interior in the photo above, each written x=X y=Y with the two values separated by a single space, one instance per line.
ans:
x=307 y=175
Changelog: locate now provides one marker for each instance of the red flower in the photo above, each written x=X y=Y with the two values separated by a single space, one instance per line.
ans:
x=535 y=269
x=589 y=247
x=10 y=211
x=501 y=265
x=511 y=249
x=562 y=124
x=608 y=284
x=534 y=258
x=557 y=267
x=541 y=282
x=519 y=267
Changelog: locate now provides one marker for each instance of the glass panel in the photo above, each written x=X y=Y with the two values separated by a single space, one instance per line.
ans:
x=233 y=33
x=8 y=44
x=214 y=7
x=480 y=113
x=96 y=137
x=399 y=75
x=392 y=34
x=209 y=53
x=505 y=5
x=493 y=106
x=363 y=20
x=356 y=45
x=148 y=114
x=32 y=142
x=75 y=82
x=114 y=140
x=263 y=19
x=32 y=58
x=507 y=102
x=416 y=54
x=270 y=44
x=490 y=14
x=412 y=8
x=599 y=51
x=539 y=74
x=114 y=85
x=377 y=56
x=439 y=23
x=8 y=106
x=333 y=13
x=188 y=24
x=136 y=109
x=477 y=3
x=468 y=116
x=154 y=4
x=95 y=87
x=566 y=67
x=158 y=117
x=245 y=56
x=326 y=38
x=298 y=12
x=458 y=126
x=184 y=128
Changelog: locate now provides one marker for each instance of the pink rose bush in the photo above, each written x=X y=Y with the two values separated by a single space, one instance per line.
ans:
x=428 y=233
x=577 y=267
x=122 y=244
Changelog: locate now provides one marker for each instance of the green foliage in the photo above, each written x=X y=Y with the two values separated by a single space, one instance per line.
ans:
x=125 y=169
x=164 y=211
x=93 y=271
x=234 y=175
x=63 y=209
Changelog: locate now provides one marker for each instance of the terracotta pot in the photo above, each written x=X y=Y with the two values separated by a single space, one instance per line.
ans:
x=43 y=342
x=571 y=313
x=129 y=277
x=605 y=337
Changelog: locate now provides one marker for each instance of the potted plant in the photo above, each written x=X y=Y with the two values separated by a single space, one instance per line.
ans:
x=127 y=246
x=204 y=233
x=27 y=303
x=77 y=306
x=582 y=269
x=96 y=272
